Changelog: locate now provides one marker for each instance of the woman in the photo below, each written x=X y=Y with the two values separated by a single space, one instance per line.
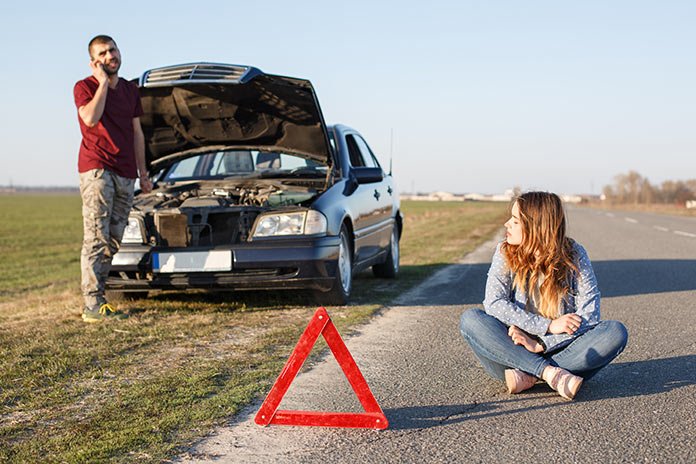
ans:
x=541 y=318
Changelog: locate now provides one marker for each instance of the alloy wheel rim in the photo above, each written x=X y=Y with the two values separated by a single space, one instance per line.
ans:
x=395 y=250
x=344 y=264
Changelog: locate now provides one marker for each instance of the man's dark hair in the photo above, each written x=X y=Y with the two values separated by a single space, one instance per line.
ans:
x=100 y=39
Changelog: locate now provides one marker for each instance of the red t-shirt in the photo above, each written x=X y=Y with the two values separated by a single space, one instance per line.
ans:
x=110 y=144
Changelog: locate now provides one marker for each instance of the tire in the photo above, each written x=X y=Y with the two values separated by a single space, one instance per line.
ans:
x=343 y=282
x=389 y=269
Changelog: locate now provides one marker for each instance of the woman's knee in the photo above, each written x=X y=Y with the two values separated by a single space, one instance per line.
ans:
x=617 y=332
x=470 y=321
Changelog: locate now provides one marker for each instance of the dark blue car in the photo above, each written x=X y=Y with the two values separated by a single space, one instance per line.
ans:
x=253 y=190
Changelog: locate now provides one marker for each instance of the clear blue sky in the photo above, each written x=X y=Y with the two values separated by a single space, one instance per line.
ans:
x=481 y=95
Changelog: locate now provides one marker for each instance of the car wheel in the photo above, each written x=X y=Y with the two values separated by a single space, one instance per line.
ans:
x=390 y=267
x=343 y=282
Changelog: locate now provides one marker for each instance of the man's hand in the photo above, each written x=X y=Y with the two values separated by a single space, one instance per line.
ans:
x=98 y=72
x=520 y=337
x=568 y=324
x=145 y=184
x=92 y=112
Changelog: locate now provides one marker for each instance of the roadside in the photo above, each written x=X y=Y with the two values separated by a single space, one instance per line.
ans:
x=443 y=408
x=385 y=352
x=183 y=362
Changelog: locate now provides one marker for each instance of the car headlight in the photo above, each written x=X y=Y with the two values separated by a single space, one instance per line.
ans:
x=133 y=232
x=296 y=223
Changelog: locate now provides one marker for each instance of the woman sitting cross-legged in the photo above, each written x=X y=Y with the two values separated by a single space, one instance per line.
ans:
x=541 y=318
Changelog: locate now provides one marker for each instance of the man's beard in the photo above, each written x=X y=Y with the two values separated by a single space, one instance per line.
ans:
x=112 y=72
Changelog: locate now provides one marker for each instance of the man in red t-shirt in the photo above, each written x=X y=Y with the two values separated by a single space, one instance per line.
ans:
x=112 y=154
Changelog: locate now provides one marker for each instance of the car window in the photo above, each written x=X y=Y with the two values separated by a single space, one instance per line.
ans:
x=357 y=153
x=292 y=162
x=184 y=168
x=232 y=163
x=368 y=156
x=360 y=153
x=332 y=141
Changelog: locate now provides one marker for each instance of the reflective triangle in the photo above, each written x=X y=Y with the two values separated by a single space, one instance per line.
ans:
x=321 y=324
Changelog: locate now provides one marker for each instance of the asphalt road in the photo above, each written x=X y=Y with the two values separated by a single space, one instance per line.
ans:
x=442 y=407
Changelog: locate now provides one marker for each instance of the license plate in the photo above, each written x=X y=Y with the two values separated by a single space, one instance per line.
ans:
x=192 y=261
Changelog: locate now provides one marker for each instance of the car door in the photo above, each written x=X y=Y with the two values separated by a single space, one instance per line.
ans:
x=372 y=203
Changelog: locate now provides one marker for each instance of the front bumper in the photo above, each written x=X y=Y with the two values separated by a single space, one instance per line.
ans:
x=306 y=263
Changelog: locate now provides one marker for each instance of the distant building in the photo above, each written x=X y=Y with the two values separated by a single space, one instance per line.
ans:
x=571 y=198
x=505 y=197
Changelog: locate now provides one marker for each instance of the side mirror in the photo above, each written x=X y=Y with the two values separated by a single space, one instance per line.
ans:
x=365 y=175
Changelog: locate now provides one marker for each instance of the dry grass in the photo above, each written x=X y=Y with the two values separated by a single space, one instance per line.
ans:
x=658 y=208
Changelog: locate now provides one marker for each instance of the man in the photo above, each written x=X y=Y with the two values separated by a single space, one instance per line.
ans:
x=112 y=153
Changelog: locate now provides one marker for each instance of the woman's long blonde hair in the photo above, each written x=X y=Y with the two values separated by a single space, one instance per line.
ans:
x=545 y=257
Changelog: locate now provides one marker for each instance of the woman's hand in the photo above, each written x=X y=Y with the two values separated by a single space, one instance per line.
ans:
x=520 y=337
x=568 y=324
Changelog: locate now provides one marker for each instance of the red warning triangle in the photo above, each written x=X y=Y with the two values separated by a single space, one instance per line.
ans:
x=321 y=324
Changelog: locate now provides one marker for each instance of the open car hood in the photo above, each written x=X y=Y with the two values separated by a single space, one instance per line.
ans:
x=197 y=105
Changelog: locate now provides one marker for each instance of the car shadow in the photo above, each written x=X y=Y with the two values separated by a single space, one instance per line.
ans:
x=453 y=284
x=619 y=380
x=224 y=301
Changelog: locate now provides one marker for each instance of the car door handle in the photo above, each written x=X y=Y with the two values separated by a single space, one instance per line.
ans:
x=376 y=195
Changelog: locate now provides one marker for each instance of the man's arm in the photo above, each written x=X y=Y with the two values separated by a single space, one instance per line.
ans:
x=139 y=138
x=92 y=112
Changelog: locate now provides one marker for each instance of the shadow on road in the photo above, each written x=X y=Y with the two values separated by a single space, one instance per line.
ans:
x=644 y=276
x=464 y=284
x=620 y=380
x=640 y=378
x=458 y=284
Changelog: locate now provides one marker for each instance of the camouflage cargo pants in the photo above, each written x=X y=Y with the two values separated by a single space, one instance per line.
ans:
x=106 y=202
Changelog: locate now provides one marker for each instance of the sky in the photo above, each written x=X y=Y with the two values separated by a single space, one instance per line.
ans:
x=463 y=96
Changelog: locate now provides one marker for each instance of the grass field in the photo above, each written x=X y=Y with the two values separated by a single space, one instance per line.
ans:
x=139 y=390
x=39 y=242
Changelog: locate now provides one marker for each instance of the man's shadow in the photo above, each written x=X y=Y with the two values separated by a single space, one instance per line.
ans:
x=618 y=380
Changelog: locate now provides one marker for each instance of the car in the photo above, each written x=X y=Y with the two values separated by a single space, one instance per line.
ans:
x=252 y=190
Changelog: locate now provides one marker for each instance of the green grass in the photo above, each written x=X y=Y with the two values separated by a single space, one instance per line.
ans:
x=140 y=389
x=39 y=242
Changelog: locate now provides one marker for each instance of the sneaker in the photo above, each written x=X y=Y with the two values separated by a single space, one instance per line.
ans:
x=104 y=312
x=518 y=381
x=565 y=383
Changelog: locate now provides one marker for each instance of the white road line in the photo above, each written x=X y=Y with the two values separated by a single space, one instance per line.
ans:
x=631 y=220
x=610 y=214
x=663 y=229
x=685 y=234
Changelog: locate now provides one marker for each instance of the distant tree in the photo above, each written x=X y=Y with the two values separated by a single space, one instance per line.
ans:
x=634 y=188
x=628 y=187
x=691 y=185
x=669 y=191
x=647 y=193
x=609 y=193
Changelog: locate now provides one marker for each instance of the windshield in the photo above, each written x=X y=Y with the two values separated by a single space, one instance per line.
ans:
x=222 y=164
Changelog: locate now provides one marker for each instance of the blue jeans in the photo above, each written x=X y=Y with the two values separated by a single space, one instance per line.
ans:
x=584 y=356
